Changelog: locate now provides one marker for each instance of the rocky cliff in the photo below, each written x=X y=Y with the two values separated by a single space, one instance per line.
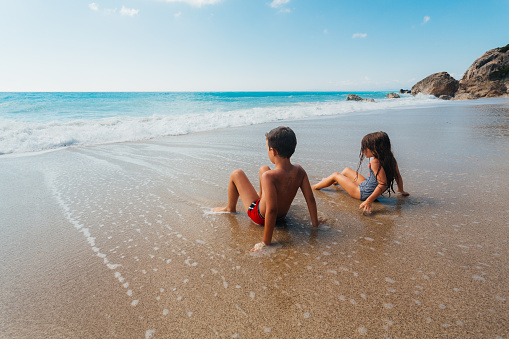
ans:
x=491 y=66
x=487 y=77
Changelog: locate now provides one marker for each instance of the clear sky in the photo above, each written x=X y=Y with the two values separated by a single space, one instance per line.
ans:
x=241 y=45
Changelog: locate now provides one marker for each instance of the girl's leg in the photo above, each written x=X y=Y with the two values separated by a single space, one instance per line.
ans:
x=354 y=176
x=347 y=172
x=326 y=182
x=238 y=186
x=349 y=185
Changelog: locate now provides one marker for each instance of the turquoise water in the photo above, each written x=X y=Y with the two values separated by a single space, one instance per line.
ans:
x=68 y=106
x=32 y=122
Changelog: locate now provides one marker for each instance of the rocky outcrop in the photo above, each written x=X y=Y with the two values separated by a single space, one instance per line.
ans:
x=404 y=91
x=491 y=66
x=437 y=84
x=392 y=95
x=354 y=97
x=474 y=89
x=487 y=77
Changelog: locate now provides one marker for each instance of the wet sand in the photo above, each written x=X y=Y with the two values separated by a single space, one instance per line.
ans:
x=117 y=240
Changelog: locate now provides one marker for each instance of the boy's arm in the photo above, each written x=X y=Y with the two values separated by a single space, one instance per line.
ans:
x=270 y=195
x=305 y=187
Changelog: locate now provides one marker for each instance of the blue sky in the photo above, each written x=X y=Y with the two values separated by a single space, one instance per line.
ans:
x=241 y=45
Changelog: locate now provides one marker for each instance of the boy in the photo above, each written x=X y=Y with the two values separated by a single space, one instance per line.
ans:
x=278 y=187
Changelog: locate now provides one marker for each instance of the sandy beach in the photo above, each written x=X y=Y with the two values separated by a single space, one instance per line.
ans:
x=118 y=240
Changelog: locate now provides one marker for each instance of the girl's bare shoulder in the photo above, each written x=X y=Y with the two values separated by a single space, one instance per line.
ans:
x=375 y=164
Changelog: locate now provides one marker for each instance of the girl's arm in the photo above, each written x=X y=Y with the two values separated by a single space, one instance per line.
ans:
x=399 y=182
x=382 y=186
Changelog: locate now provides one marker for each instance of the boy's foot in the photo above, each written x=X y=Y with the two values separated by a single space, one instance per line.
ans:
x=222 y=209
x=403 y=193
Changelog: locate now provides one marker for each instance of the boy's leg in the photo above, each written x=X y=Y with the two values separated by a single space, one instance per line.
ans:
x=262 y=170
x=238 y=186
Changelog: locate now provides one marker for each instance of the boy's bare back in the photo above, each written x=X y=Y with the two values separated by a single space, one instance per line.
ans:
x=284 y=183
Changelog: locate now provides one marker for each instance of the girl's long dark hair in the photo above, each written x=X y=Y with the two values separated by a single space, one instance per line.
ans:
x=380 y=145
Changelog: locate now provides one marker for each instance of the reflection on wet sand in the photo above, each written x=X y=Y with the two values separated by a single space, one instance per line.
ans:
x=123 y=237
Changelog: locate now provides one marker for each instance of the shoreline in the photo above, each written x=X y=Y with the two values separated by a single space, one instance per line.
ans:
x=28 y=138
x=121 y=235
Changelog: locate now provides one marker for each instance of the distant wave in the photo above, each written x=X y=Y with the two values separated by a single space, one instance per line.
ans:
x=22 y=137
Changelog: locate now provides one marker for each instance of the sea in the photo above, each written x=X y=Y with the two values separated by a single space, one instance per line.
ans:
x=37 y=122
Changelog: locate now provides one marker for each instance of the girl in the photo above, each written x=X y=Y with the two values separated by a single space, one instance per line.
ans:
x=383 y=171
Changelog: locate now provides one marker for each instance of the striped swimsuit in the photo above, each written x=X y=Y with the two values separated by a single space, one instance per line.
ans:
x=368 y=186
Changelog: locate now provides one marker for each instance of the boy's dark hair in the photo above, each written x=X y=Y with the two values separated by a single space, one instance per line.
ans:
x=283 y=140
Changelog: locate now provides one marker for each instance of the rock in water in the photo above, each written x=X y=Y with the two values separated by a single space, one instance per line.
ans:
x=392 y=95
x=437 y=84
x=354 y=97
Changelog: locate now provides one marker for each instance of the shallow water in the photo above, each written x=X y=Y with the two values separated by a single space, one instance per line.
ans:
x=34 y=122
x=116 y=240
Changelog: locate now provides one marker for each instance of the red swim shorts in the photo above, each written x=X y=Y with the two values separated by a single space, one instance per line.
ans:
x=254 y=213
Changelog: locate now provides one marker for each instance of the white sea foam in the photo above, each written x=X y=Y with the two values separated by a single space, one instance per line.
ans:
x=21 y=136
x=267 y=250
